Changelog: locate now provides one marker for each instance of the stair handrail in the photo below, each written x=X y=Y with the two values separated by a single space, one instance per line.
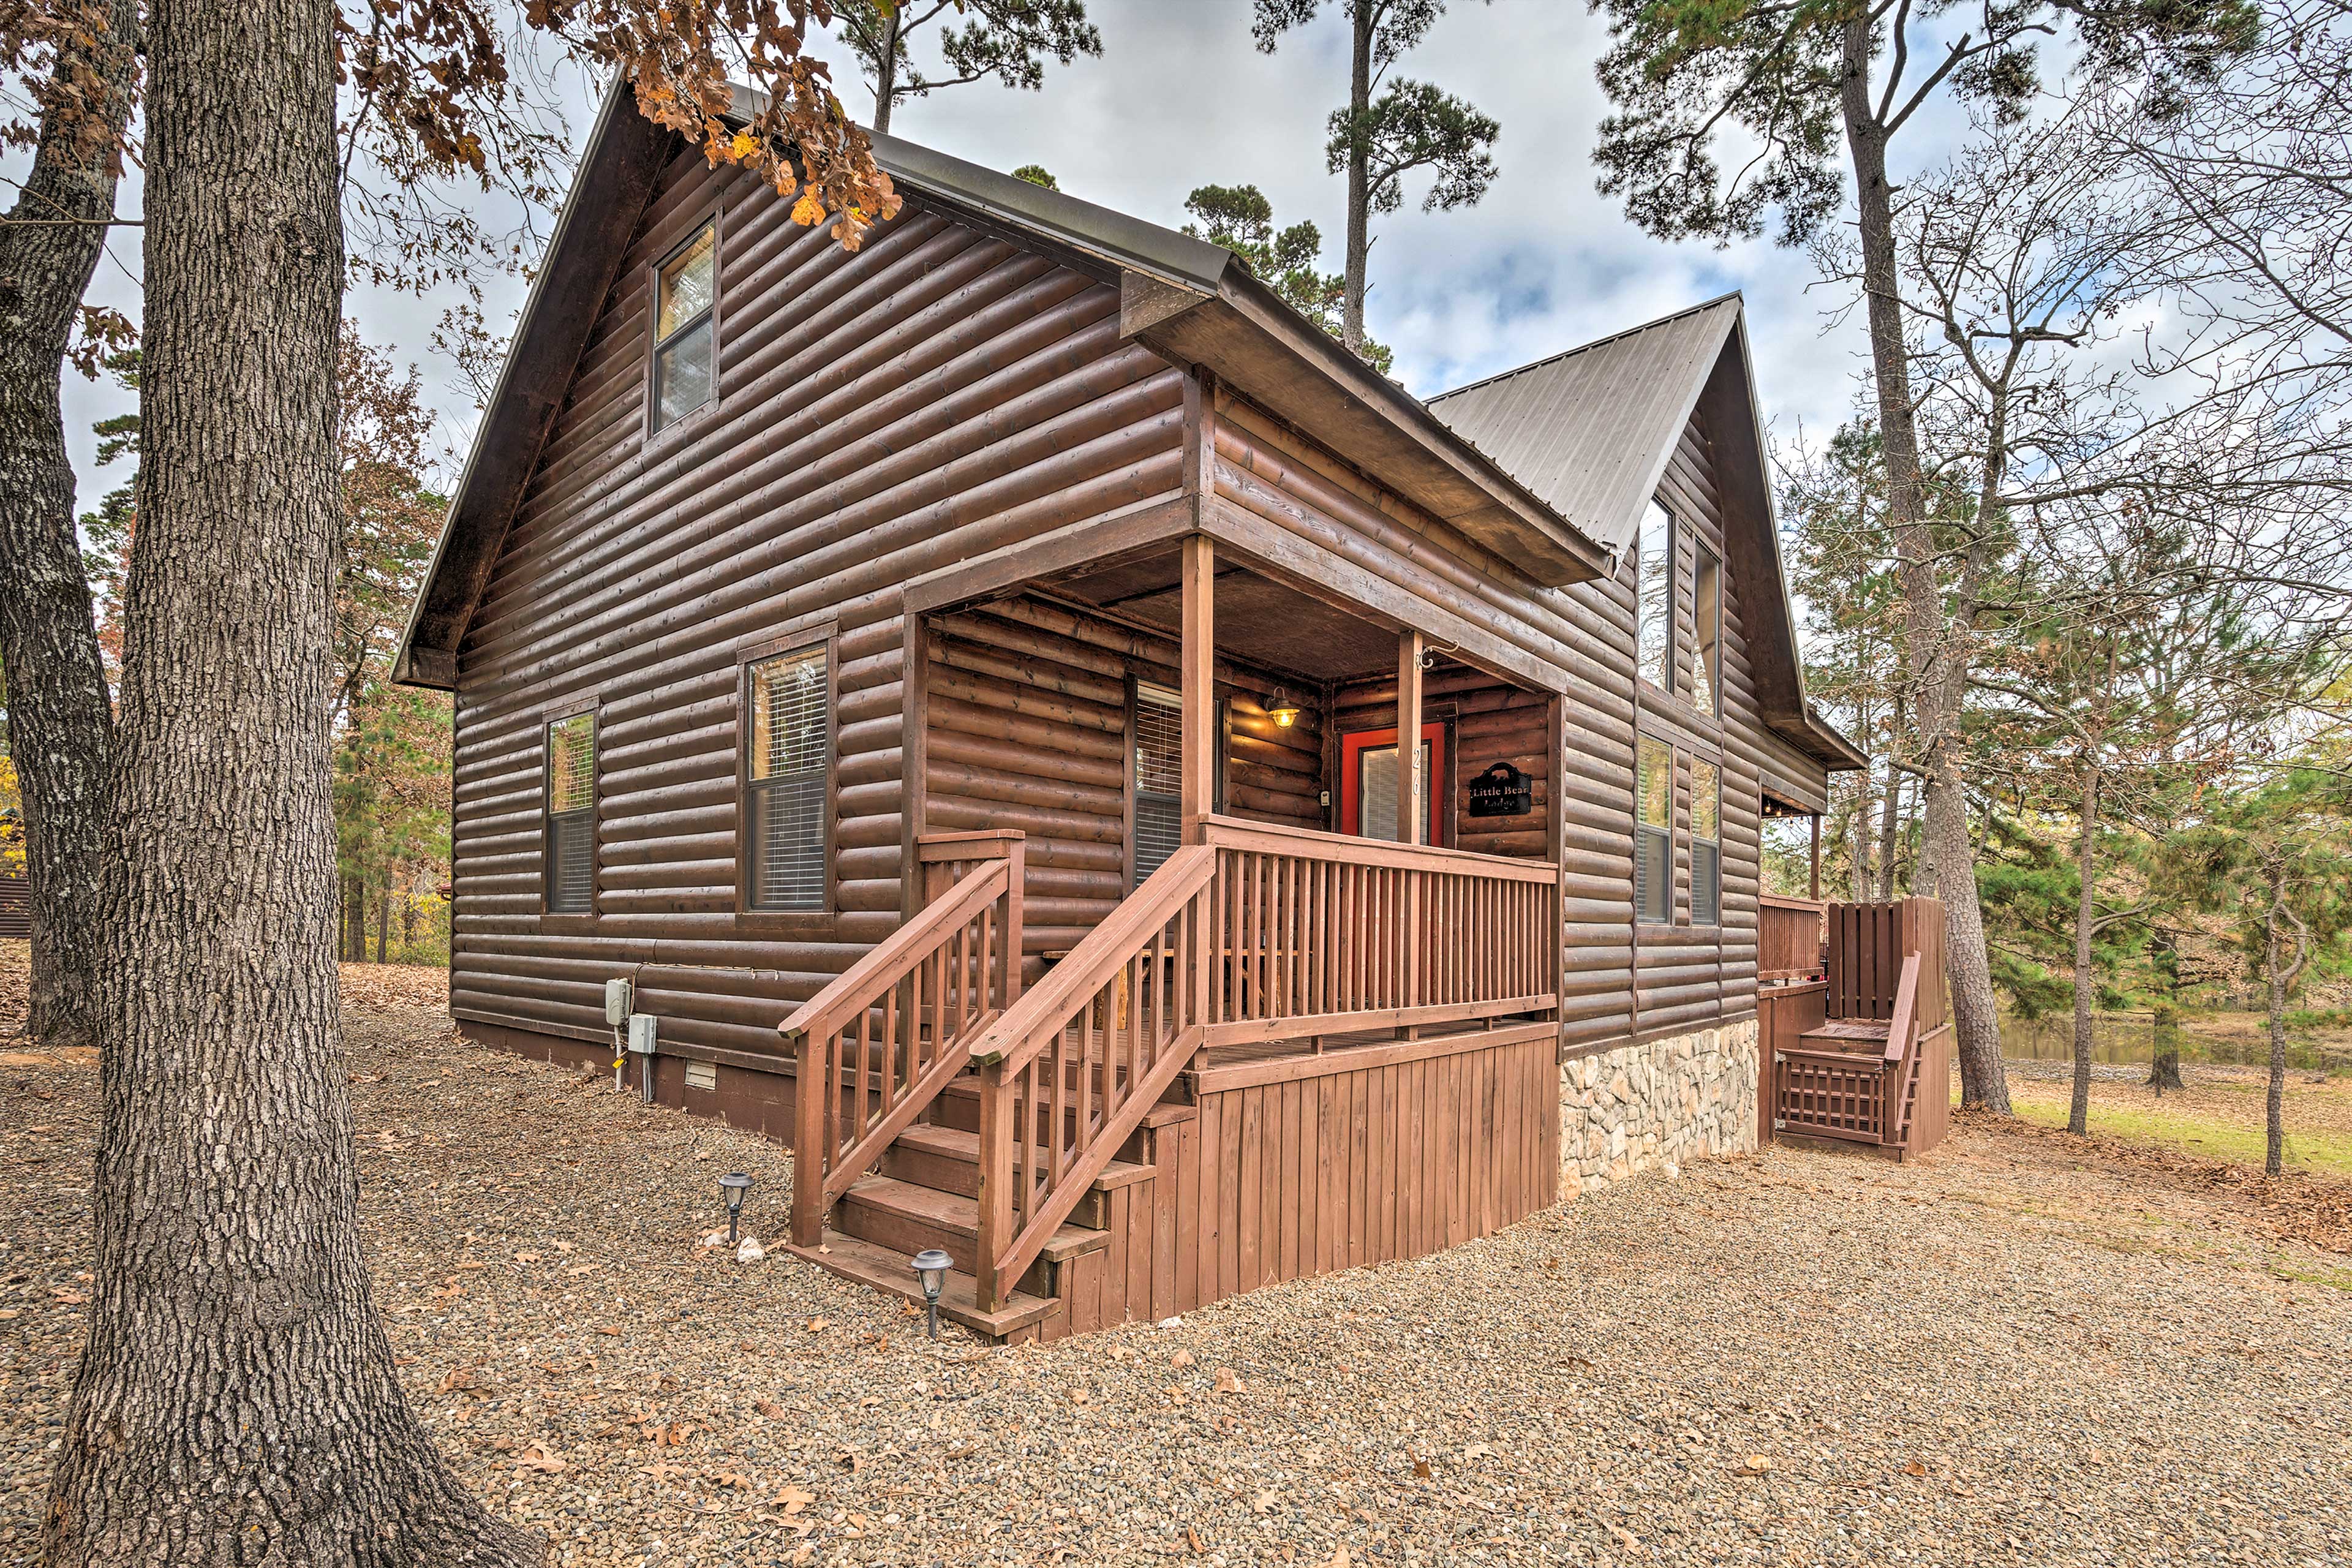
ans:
x=966 y=990
x=1027 y=1191
x=1902 y=1051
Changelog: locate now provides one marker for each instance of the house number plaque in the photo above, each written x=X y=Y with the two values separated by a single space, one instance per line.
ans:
x=1502 y=791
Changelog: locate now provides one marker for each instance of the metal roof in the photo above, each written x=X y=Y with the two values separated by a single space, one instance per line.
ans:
x=1590 y=430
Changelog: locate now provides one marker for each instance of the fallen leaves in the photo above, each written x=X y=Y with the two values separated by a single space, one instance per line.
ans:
x=1229 y=1382
x=537 y=1457
x=1755 y=1465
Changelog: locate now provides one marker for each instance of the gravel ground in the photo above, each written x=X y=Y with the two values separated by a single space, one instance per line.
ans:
x=2027 y=1349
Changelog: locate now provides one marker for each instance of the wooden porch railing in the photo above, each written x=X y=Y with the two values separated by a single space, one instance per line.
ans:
x=876 y=1046
x=1788 y=939
x=1253 y=933
x=1071 y=1069
x=1318 y=934
x=1885 y=962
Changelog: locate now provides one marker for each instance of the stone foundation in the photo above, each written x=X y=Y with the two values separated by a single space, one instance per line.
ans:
x=1664 y=1102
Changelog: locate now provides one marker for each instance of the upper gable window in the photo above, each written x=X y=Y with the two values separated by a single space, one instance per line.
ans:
x=685 y=328
x=1707 y=616
x=1653 y=646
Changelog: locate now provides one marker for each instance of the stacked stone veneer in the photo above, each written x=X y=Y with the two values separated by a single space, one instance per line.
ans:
x=1642 y=1108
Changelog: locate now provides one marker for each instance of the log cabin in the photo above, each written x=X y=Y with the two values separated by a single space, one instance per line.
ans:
x=1143 y=804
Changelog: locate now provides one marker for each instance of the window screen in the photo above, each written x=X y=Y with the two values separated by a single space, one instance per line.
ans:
x=685 y=329
x=1707 y=843
x=1654 y=612
x=1706 y=615
x=1159 y=777
x=570 y=827
x=791 y=739
x=1653 y=830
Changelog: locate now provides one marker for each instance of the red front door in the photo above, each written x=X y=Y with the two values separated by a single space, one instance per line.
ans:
x=1368 y=782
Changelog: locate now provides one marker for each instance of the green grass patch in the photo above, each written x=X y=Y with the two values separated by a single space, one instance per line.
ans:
x=2323 y=1154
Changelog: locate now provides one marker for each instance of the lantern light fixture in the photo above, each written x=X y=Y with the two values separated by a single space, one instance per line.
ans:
x=1281 y=708
x=732 y=1186
x=930 y=1267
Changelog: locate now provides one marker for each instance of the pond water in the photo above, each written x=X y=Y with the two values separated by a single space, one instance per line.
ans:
x=2128 y=1039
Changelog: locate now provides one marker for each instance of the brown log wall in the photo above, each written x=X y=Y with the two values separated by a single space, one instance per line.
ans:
x=934 y=396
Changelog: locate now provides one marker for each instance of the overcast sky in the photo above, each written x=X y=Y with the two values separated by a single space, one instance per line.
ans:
x=1182 y=97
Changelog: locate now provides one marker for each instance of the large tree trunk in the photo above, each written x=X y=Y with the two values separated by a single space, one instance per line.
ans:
x=2164 y=1054
x=1359 y=194
x=1890 y=816
x=2275 y=1102
x=237 y=1401
x=1937 y=671
x=885 y=82
x=59 y=717
x=2086 y=914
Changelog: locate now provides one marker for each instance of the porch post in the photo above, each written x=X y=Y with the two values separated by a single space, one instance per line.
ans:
x=1198 y=786
x=1816 y=873
x=1412 y=790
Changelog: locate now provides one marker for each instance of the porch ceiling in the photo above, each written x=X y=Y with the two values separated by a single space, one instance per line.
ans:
x=1259 y=620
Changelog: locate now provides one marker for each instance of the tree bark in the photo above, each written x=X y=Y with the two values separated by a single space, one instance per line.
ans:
x=2274 y=1100
x=1890 y=817
x=2164 y=1054
x=237 y=1401
x=60 y=718
x=382 y=918
x=1362 y=16
x=886 y=73
x=2086 y=914
x=1935 y=663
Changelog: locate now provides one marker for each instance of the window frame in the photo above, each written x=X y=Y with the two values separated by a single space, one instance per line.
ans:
x=1669 y=664
x=825 y=635
x=1129 y=843
x=1642 y=917
x=1707 y=653
x=551 y=918
x=711 y=219
x=1714 y=764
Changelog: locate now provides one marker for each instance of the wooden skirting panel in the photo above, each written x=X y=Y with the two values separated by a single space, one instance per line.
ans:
x=1395 y=1158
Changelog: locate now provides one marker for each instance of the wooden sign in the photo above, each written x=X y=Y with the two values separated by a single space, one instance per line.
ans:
x=1502 y=791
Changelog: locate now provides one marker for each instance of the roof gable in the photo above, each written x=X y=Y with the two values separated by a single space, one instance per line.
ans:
x=1590 y=430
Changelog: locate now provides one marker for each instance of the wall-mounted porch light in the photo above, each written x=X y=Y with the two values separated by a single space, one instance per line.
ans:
x=732 y=1186
x=1281 y=708
x=930 y=1267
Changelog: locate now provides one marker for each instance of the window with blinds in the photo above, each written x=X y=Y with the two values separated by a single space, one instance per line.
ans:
x=1653 y=831
x=1707 y=843
x=1159 y=777
x=1706 y=615
x=785 y=781
x=570 y=830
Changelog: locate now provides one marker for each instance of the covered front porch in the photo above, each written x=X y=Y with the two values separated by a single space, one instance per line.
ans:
x=1172 y=856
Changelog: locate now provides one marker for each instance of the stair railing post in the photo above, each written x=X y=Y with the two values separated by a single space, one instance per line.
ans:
x=809 y=1090
x=1016 y=873
x=995 y=1197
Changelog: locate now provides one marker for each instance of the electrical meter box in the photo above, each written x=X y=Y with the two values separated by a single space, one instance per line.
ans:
x=641 y=1033
x=619 y=997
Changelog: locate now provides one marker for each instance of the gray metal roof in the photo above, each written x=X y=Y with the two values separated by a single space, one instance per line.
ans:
x=1590 y=430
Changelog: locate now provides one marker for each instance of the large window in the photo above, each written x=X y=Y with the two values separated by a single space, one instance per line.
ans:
x=568 y=833
x=1706 y=615
x=1653 y=831
x=1707 y=843
x=1654 y=610
x=787 y=781
x=1158 y=776
x=686 y=329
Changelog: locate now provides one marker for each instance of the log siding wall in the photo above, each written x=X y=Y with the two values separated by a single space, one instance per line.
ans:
x=934 y=396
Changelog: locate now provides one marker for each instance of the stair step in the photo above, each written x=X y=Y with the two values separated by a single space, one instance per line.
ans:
x=894 y=1273
x=967 y=1088
x=949 y=1158
x=896 y=1213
